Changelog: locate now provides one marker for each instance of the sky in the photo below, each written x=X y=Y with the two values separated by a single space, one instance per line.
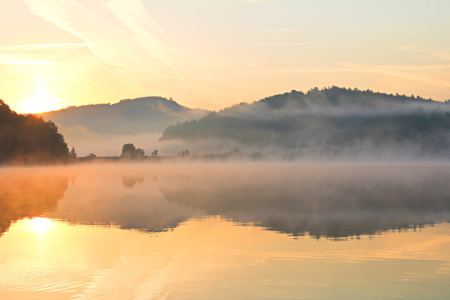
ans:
x=215 y=53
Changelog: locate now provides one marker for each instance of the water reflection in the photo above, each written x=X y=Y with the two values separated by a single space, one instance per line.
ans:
x=118 y=197
x=328 y=201
x=130 y=181
x=212 y=258
x=334 y=201
x=189 y=246
x=28 y=193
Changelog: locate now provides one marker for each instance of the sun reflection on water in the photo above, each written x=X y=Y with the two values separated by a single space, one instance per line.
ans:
x=39 y=225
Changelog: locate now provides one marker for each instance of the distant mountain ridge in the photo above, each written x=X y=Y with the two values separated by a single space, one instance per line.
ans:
x=335 y=101
x=327 y=123
x=102 y=129
x=129 y=116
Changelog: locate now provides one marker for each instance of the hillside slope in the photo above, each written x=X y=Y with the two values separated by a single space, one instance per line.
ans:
x=27 y=139
x=333 y=122
x=102 y=129
x=130 y=116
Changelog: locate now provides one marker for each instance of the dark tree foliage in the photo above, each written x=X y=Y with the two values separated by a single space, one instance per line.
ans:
x=129 y=151
x=73 y=155
x=329 y=123
x=27 y=139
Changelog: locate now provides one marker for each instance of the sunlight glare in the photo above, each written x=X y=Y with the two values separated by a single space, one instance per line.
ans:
x=40 y=225
x=41 y=101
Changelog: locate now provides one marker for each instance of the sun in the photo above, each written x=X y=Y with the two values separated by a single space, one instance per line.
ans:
x=40 y=102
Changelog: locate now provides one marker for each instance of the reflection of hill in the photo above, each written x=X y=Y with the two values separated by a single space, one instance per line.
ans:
x=118 y=200
x=323 y=201
x=330 y=202
x=28 y=194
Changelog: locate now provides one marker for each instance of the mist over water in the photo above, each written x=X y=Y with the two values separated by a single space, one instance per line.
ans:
x=322 y=200
x=195 y=230
x=243 y=187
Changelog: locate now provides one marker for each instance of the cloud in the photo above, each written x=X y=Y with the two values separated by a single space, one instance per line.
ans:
x=442 y=55
x=121 y=33
x=21 y=62
x=395 y=67
x=281 y=30
x=271 y=44
x=40 y=46
x=145 y=31
x=402 y=71
x=35 y=54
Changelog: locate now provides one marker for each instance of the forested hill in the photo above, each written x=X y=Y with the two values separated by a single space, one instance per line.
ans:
x=27 y=139
x=130 y=116
x=327 y=123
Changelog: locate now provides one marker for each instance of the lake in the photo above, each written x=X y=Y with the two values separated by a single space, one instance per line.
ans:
x=225 y=231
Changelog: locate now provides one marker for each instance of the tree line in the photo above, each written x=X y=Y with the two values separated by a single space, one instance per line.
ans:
x=27 y=139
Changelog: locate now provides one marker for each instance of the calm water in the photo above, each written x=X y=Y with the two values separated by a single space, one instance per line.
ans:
x=216 y=231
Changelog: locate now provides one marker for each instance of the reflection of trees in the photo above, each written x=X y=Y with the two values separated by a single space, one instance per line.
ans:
x=104 y=203
x=28 y=195
x=321 y=201
x=330 y=202
x=130 y=181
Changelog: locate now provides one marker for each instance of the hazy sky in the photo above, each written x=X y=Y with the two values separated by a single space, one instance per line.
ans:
x=214 y=53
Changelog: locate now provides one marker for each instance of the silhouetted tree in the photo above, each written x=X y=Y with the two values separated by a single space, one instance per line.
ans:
x=155 y=153
x=27 y=139
x=184 y=153
x=139 y=153
x=73 y=155
x=129 y=151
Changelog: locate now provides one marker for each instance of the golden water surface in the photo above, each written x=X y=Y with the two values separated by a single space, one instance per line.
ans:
x=257 y=231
